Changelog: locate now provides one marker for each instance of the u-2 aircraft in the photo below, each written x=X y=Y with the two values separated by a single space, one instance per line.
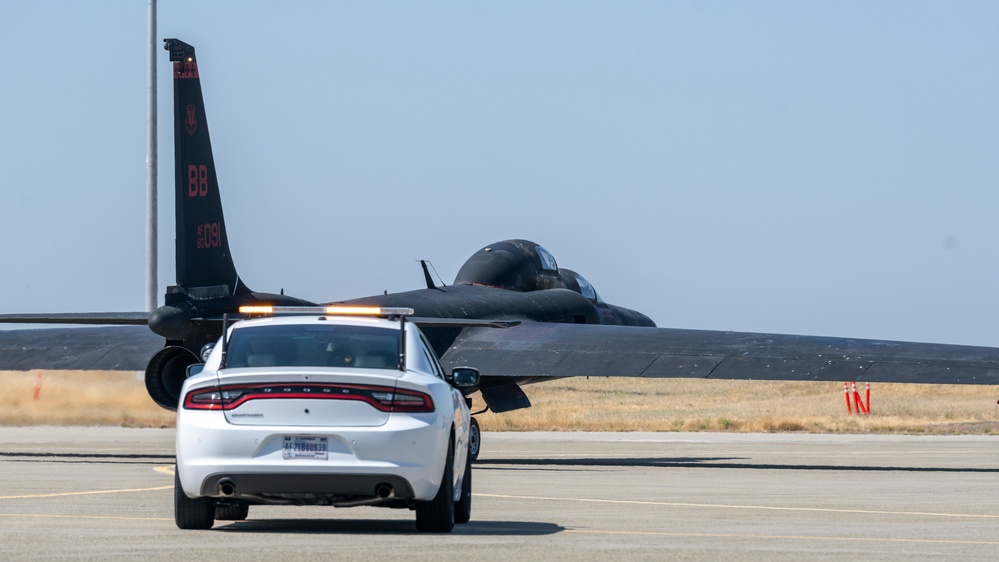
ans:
x=557 y=324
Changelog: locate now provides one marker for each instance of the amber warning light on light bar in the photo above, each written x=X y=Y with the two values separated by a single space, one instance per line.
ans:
x=258 y=310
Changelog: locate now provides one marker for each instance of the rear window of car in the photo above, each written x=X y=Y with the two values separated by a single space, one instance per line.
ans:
x=312 y=345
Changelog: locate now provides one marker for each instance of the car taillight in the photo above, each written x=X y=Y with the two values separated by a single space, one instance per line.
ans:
x=382 y=398
x=213 y=399
x=397 y=401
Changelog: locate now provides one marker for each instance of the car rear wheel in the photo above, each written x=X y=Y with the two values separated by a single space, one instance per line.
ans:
x=463 y=507
x=232 y=512
x=437 y=515
x=197 y=513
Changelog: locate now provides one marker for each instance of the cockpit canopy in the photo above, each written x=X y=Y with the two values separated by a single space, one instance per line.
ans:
x=578 y=283
x=521 y=265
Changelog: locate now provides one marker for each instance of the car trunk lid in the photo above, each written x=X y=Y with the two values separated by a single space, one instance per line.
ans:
x=304 y=397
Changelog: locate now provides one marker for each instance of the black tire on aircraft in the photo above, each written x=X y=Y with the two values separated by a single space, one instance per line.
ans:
x=474 y=440
x=232 y=512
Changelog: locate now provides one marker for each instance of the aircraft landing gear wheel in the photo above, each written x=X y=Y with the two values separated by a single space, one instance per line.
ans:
x=197 y=513
x=232 y=512
x=474 y=440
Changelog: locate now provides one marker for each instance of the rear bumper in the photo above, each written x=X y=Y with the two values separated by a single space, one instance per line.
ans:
x=292 y=485
x=407 y=453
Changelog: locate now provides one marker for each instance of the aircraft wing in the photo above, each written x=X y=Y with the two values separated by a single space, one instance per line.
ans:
x=541 y=350
x=104 y=348
x=545 y=350
x=103 y=318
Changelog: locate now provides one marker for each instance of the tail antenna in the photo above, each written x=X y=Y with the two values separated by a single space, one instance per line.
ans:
x=428 y=278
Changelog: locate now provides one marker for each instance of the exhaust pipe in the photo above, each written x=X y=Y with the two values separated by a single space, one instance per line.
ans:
x=384 y=491
x=227 y=487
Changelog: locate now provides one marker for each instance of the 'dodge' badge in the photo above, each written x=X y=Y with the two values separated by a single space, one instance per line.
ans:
x=191 y=121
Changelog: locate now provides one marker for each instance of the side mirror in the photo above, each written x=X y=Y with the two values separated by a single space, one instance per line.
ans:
x=465 y=379
x=195 y=369
x=206 y=350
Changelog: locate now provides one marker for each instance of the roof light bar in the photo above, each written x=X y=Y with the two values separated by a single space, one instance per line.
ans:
x=359 y=310
x=256 y=310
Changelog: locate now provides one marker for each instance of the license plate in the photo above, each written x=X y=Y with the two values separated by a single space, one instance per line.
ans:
x=305 y=448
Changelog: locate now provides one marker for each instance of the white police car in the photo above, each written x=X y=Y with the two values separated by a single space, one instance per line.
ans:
x=318 y=408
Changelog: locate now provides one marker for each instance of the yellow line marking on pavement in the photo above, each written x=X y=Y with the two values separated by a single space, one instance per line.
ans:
x=757 y=507
x=168 y=470
x=794 y=537
x=51 y=516
x=60 y=494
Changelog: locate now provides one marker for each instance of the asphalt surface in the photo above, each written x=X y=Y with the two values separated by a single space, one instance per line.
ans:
x=106 y=493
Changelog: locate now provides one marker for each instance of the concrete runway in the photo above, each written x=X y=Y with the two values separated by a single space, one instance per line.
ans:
x=106 y=493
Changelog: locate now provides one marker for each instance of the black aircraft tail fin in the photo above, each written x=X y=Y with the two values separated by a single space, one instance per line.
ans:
x=204 y=264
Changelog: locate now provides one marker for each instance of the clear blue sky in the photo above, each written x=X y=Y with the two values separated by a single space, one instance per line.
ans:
x=827 y=168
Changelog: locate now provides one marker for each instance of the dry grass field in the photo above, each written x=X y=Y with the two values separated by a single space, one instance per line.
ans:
x=79 y=398
x=628 y=404
x=624 y=404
